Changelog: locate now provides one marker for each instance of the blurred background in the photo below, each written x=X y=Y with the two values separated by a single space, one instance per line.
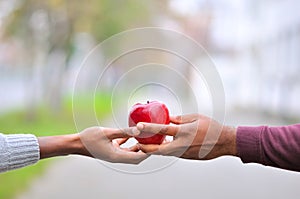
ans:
x=255 y=45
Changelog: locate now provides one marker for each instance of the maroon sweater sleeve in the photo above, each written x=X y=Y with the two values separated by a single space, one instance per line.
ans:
x=271 y=146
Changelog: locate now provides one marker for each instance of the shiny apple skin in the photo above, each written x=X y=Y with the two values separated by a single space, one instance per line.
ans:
x=151 y=112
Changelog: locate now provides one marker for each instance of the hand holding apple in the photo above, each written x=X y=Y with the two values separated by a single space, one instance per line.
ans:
x=151 y=112
x=189 y=134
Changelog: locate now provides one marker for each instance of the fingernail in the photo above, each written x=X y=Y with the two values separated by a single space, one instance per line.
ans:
x=140 y=126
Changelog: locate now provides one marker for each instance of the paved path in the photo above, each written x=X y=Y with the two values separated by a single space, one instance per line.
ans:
x=78 y=177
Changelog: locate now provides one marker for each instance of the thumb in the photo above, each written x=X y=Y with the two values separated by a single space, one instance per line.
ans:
x=182 y=119
x=158 y=128
x=122 y=133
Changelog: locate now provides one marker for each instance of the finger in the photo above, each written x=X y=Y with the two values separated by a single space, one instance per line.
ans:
x=182 y=119
x=158 y=128
x=148 y=148
x=130 y=157
x=121 y=141
x=121 y=133
x=155 y=149
x=134 y=148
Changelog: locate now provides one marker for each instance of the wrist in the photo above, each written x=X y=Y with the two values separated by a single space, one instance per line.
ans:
x=79 y=147
x=60 y=146
x=230 y=140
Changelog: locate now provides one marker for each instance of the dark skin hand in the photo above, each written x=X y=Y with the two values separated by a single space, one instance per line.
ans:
x=190 y=134
x=98 y=142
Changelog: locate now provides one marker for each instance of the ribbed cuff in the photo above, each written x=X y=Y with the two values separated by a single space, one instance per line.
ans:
x=248 y=144
x=23 y=150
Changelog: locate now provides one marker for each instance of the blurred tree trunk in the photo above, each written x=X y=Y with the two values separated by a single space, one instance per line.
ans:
x=57 y=60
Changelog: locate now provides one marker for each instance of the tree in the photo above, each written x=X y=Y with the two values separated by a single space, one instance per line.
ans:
x=46 y=29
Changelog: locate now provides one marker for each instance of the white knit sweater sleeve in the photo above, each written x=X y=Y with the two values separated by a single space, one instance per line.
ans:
x=18 y=150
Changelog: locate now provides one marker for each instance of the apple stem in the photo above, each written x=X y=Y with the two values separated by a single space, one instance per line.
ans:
x=147 y=102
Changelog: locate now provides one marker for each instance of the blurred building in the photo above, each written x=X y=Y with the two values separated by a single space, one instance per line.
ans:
x=255 y=45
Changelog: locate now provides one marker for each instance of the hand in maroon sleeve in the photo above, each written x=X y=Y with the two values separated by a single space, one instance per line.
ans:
x=194 y=137
x=272 y=146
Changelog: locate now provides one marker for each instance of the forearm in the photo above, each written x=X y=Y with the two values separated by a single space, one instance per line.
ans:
x=61 y=145
x=272 y=146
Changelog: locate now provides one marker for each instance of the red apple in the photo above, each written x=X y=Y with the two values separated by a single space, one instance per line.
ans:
x=152 y=112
